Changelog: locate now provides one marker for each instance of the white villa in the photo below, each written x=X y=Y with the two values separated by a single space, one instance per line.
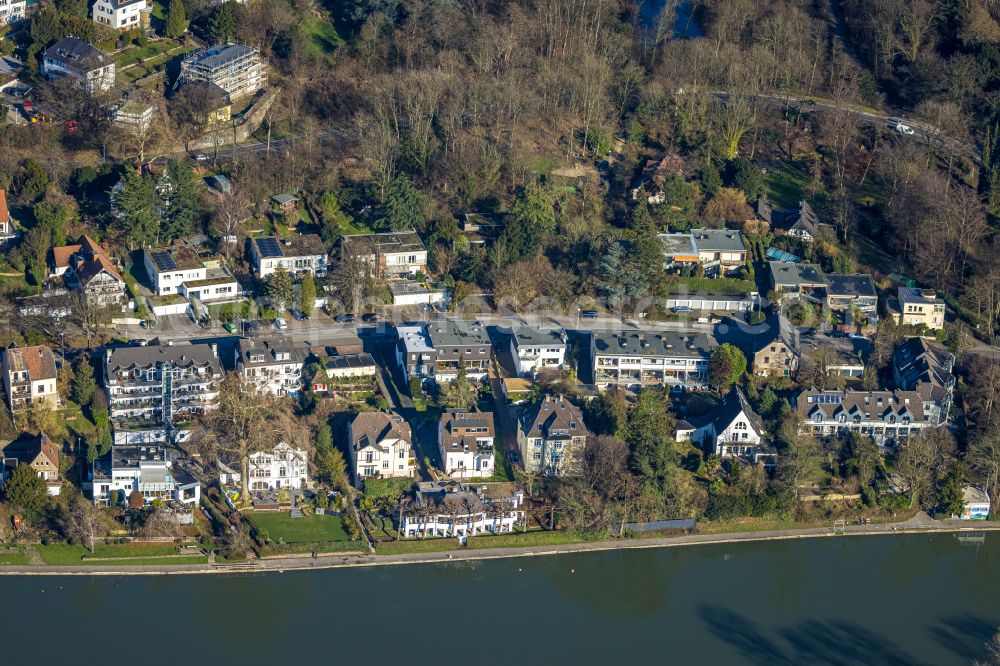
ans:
x=284 y=467
x=453 y=509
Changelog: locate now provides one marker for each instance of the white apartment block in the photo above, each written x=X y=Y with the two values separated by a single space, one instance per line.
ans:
x=179 y=270
x=537 y=349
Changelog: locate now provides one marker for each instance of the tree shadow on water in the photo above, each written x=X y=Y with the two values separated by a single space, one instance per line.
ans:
x=843 y=643
x=742 y=634
x=966 y=635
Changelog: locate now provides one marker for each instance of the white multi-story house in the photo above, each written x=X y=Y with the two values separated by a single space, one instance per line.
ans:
x=70 y=56
x=885 y=416
x=275 y=364
x=453 y=509
x=283 y=467
x=537 y=349
x=179 y=270
x=731 y=430
x=135 y=115
x=305 y=253
x=465 y=440
x=632 y=359
x=552 y=437
x=29 y=376
x=148 y=469
x=399 y=254
x=12 y=11
x=119 y=14
x=917 y=307
x=718 y=251
x=155 y=392
x=236 y=68
x=381 y=446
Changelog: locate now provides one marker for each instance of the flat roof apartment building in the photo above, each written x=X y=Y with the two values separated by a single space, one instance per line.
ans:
x=156 y=391
x=632 y=359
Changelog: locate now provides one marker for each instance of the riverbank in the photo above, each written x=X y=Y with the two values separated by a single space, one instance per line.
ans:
x=920 y=524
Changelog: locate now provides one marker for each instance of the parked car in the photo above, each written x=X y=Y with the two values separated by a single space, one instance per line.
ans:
x=229 y=327
x=372 y=317
x=590 y=314
x=904 y=129
x=681 y=309
x=298 y=315
x=280 y=323
x=344 y=318
x=253 y=325
x=515 y=458
x=201 y=157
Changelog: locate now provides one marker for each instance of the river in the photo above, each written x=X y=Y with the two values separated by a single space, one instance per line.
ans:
x=873 y=600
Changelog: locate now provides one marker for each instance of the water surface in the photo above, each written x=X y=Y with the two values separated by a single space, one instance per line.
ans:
x=878 y=601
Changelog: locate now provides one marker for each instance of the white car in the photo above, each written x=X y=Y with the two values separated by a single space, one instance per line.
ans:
x=904 y=129
x=280 y=323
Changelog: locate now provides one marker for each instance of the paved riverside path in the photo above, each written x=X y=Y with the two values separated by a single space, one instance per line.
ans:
x=920 y=523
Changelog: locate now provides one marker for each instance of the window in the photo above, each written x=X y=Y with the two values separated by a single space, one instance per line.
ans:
x=402 y=454
x=385 y=464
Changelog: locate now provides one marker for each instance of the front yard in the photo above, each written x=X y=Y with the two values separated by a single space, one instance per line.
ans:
x=62 y=554
x=281 y=527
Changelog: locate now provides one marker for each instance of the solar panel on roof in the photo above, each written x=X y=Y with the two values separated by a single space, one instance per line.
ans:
x=164 y=261
x=269 y=247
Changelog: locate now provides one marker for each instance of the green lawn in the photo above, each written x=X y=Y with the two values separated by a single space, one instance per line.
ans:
x=137 y=53
x=13 y=558
x=785 y=182
x=62 y=554
x=307 y=529
x=322 y=36
x=517 y=539
x=416 y=546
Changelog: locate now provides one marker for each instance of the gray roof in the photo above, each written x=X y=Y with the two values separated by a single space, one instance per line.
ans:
x=132 y=456
x=301 y=245
x=77 y=54
x=916 y=295
x=917 y=361
x=455 y=333
x=654 y=344
x=725 y=413
x=284 y=198
x=763 y=209
x=869 y=405
x=858 y=284
x=718 y=240
x=528 y=336
x=391 y=241
x=250 y=349
x=180 y=355
x=553 y=414
x=802 y=218
x=785 y=273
